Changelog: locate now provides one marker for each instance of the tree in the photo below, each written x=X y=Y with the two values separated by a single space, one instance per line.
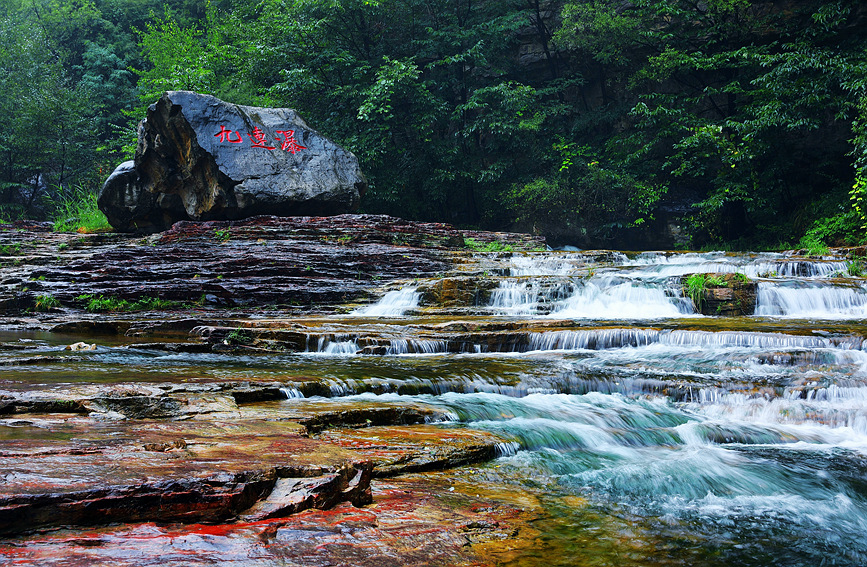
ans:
x=47 y=132
x=748 y=107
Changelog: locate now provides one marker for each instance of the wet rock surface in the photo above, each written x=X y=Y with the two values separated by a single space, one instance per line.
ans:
x=731 y=295
x=265 y=417
x=199 y=158
x=250 y=463
x=124 y=449
x=297 y=264
x=412 y=520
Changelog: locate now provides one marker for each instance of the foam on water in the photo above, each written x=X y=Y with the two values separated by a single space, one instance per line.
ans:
x=393 y=304
x=811 y=300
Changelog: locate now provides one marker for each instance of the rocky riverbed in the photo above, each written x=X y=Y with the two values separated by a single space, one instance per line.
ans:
x=118 y=468
x=363 y=390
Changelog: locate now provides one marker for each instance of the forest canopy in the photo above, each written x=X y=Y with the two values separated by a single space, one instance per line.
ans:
x=593 y=122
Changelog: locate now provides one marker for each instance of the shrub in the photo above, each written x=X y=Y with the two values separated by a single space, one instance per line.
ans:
x=494 y=246
x=45 y=303
x=813 y=245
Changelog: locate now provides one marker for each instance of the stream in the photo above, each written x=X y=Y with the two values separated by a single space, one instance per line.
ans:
x=647 y=433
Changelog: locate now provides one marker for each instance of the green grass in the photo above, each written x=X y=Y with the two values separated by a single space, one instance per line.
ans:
x=240 y=336
x=100 y=303
x=696 y=284
x=78 y=212
x=494 y=246
x=814 y=246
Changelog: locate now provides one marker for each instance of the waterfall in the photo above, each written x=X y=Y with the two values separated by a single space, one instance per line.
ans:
x=595 y=339
x=340 y=347
x=515 y=298
x=292 y=393
x=599 y=339
x=393 y=304
x=796 y=269
x=811 y=300
x=767 y=264
x=548 y=264
x=613 y=298
x=417 y=346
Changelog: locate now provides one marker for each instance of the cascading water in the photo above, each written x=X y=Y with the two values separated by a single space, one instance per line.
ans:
x=648 y=435
x=811 y=300
x=393 y=304
x=613 y=298
x=599 y=297
x=750 y=444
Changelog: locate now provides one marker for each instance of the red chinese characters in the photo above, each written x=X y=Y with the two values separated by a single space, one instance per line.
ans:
x=226 y=136
x=290 y=144
x=258 y=139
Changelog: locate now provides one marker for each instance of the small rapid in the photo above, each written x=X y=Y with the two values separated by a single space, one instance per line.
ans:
x=648 y=286
x=735 y=474
x=605 y=297
x=648 y=434
x=395 y=303
x=808 y=300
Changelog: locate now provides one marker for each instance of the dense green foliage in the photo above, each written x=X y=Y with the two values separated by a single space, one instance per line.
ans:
x=99 y=303
x=587 y=120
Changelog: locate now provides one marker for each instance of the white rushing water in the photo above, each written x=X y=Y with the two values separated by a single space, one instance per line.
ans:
x=647 y=286
x=600 y=297
x=611 y=298
x=393 y=304
x=749 y=444
x=765 y=265
x=811 y=300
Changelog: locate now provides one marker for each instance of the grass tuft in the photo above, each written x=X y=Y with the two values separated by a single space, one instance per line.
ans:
x=78 y=212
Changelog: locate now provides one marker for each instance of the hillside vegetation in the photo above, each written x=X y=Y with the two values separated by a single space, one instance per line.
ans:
x=593 y=122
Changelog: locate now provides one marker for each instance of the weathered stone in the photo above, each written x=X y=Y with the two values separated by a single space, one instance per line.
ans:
x=199 y=158
x=735 y=296
x=457 y=292
x=190 y=500
x=417 y=521
x=292 y=495
x=368 y=417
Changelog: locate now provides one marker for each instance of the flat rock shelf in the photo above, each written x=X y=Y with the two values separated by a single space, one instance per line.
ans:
x=364 y=390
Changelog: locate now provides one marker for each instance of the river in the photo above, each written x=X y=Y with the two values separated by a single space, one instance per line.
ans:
x=648 y=433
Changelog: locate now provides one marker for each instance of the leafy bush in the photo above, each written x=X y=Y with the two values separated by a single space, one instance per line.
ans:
x=239 y=336
x=494 y=246
x=45 y=303
x=696 y=284
x=840 y=229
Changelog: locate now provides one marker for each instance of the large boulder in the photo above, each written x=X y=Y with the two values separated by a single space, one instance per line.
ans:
x=199 y=158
